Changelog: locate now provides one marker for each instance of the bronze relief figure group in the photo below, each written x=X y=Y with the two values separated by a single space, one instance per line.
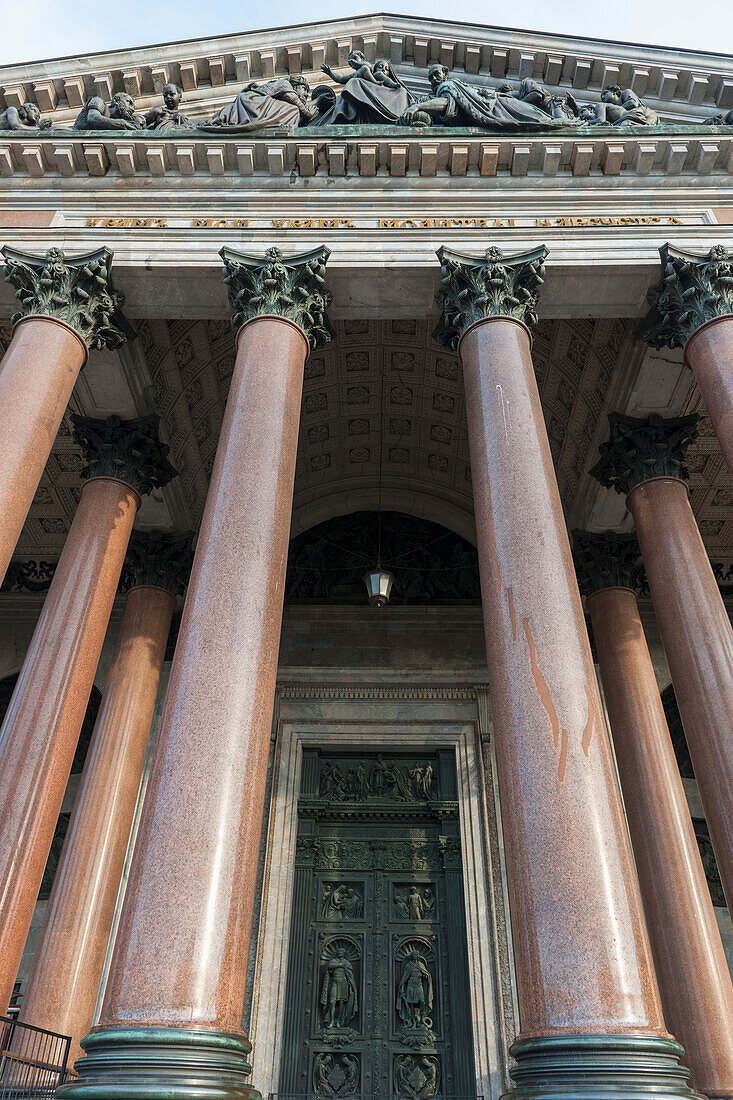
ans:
x=368 y=94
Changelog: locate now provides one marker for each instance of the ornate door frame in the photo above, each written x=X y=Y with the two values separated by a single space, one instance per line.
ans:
x=488 y=1001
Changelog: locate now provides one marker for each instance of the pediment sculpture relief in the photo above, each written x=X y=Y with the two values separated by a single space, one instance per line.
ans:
x=368 y=94
x=259 y=105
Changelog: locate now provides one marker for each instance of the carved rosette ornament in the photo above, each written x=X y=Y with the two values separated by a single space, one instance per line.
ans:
x=129 y=450
x=158 y=560
x=474 y=288
x=694 y=289
x=607 y=560
x=75 y=289
x=275 y=285
x=640 y=449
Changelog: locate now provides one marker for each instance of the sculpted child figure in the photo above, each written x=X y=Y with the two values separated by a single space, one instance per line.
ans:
x=26 y=117
x=167 y=116
x=358 y=63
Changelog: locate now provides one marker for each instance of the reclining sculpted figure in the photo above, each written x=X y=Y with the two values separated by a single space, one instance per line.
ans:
x=282 y=102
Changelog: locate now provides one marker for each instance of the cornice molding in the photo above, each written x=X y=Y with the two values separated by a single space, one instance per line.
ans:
x=700 y=154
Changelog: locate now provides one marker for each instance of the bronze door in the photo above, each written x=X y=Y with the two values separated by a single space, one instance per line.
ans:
x=377 y=995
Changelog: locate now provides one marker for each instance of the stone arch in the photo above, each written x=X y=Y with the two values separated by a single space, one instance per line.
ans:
x=430 y=563
x=412 y=500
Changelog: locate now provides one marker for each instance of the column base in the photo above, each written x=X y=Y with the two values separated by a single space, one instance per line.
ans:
x=599 y=1067
x=161 y=1063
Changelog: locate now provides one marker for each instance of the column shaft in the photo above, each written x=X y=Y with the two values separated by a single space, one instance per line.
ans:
x=67 y=967
x=698 y=641
x=580 y=941
x=37 y=376
x=709 y=352
x=182 y=944
x=693 y=975
x=42 y=725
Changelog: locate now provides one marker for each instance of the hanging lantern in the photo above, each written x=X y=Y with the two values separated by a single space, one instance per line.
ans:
x=379 y=585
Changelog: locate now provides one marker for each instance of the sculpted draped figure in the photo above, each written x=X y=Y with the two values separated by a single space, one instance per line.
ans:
x=274 y=103
x=456 y=103
x=373 y=94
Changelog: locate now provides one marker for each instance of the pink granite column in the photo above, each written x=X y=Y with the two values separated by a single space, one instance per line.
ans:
x=177 y=978
x=62 y=317
x=67 y=967
x=589 y=1005
x=692 y=308
x=43 y=721
x=645 y=459
x=691 y=967
x=709 y=351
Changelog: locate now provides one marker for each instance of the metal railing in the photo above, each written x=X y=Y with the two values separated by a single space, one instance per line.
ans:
x=32 y=1061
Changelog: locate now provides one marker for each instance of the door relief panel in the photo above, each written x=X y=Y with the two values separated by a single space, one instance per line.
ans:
x=377 y=994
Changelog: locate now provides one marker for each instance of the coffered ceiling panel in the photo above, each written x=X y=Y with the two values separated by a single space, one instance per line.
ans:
x=382 y=394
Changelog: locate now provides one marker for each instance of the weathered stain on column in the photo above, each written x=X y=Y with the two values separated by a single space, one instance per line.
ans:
x=693 y=309
x=183 y=937
x=691 y=967
x=177 y=975
x=645 y=460
x=68 y=307
x=583 y=961
x=68 y=963
x=42 y=724
x=588 y=997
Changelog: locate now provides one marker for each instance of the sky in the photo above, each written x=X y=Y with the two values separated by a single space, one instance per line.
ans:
x=36 y=29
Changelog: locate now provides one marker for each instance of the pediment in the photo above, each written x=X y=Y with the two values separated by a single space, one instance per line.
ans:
x=681 y=86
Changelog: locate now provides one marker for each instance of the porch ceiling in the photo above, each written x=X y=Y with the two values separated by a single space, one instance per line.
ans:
x=424 y=451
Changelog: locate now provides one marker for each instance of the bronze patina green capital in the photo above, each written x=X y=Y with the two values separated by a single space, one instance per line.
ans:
x=158 y=560
x=474 y=288
x=274 y=285
x=694 y=289
x=638 y=450
x=129 y=450
x=74 y=289
x=607 y=560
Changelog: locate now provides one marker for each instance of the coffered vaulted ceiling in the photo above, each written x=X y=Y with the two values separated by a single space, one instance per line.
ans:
x=394 y=366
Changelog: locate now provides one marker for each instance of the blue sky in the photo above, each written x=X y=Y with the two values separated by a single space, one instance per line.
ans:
x=38 y=29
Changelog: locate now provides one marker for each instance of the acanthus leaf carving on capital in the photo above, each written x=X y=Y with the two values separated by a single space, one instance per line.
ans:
x=158 y=560
x=607 y=560
x=129 y=450
x=640 y=449
x=293 y=287
x=474 y=288
x=75 y=289
x=694 y=289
